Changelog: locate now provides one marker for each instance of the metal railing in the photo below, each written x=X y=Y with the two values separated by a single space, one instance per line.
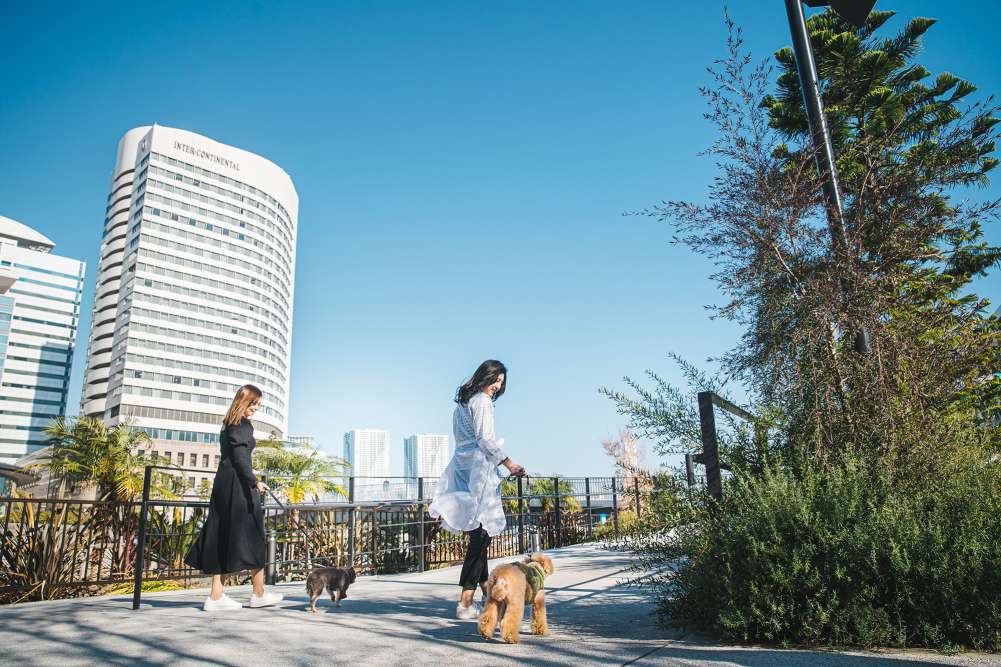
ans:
x=710 y=458
x=62 y=548
x=86 y=547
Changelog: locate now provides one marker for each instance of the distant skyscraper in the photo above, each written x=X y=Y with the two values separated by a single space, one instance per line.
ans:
x=194 y=292
x=425 y=455
x=367 y=450
x=39 y=311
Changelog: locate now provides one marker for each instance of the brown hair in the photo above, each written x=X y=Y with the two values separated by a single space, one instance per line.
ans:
x=245 y=395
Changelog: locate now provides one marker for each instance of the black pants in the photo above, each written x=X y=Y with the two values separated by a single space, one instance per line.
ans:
x=474 y=567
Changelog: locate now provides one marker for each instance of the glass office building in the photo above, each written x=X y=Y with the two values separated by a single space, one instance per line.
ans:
x=39 y=313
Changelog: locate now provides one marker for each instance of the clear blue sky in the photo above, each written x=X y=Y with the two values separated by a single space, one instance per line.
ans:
x=462 y=169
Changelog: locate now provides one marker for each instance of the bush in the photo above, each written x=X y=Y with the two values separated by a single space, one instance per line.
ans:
x=663 y=505
x=627 y=524
x=842 y=556
x=148 y=587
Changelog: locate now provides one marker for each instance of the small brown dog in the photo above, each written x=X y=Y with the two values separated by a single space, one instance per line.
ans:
x=508 y=588
x=335 y=579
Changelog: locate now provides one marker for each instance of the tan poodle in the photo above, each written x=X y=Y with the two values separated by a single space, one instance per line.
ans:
x=508 y=587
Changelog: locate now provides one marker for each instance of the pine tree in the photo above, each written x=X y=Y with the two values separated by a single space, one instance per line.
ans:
x=910 y=149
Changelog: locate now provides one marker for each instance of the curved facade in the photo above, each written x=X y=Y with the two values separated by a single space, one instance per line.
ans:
x=39 y=310
x=194 y=289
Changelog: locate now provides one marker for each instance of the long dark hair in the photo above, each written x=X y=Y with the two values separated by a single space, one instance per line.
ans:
x=484 y=376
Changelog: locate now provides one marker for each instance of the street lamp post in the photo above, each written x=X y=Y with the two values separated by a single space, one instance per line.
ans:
x=855 y=12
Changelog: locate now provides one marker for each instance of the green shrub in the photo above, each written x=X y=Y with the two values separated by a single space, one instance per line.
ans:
x=841 y=556
x=663 y=505
x=606 y=531
x=148 y=587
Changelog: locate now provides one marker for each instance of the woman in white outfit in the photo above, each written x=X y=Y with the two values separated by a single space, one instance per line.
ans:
x=468 y=496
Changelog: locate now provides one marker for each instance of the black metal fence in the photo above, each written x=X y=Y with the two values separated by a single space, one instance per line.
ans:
x=66 y=548
x=53 y=548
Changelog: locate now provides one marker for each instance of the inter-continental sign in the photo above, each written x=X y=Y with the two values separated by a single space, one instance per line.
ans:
x=205 y=155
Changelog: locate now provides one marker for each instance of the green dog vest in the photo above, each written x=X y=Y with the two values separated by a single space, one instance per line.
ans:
x=536 y=580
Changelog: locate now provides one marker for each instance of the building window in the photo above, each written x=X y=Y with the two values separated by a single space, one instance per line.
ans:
x=166 y=455
x=205 y=460
x=191 y=481
x=193 y=460
x=217 y=459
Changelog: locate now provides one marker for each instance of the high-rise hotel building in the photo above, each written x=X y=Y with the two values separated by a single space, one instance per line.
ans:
x=194 y=292
x=39 y=312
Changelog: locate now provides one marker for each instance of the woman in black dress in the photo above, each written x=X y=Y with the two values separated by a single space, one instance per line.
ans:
x=232 y=539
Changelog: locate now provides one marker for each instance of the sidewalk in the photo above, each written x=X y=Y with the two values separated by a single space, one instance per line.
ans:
x=392 y=620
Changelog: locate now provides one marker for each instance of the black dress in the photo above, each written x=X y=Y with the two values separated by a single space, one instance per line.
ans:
x=232 y=538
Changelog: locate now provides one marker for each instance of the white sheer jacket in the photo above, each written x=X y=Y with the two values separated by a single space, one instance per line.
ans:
x=468 y=493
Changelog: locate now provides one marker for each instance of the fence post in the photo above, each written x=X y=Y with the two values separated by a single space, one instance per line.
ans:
x=420 y=527
x=373 y=512
x=272 y=552
x=690 y=472
x=615 y=509
x=351 y=521
x=590 y=517
x=559 y=514
x=137 y=583
x=710 y=444
x=636 y=488
x=268 y=567
x=521 y=517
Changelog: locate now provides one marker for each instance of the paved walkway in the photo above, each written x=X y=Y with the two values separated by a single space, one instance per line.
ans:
x=392 y=620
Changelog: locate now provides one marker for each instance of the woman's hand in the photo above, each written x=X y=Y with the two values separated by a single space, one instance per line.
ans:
x=514 y=468
x=262 y=487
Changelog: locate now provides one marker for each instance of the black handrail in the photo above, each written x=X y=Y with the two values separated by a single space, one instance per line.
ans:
x=525 y=497
x=142 y=541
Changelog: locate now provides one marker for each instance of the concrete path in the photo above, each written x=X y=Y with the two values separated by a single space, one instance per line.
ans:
x=392 y=620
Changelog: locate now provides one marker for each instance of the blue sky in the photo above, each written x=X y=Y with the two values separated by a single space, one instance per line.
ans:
x=462 y=170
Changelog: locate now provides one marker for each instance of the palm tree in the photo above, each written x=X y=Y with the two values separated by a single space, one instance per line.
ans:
x=298 y=472
x=85 y=452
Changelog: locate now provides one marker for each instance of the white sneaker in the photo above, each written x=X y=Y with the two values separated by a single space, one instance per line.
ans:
x=468 y=613
x=224 y=603
x=266 y=600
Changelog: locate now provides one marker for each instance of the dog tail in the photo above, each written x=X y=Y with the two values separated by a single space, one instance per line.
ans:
x=498 y=588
